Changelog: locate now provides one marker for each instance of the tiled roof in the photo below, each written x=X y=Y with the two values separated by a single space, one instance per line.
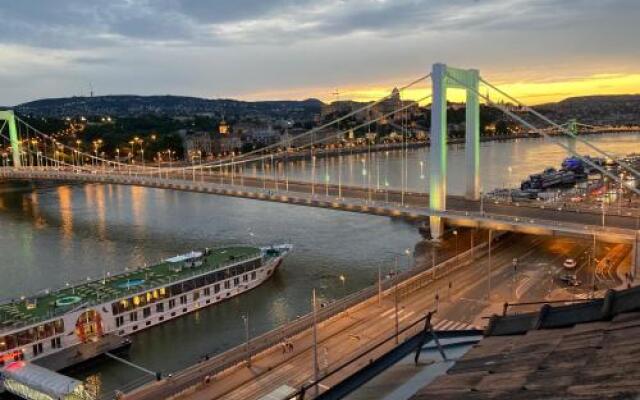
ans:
x=580 y=351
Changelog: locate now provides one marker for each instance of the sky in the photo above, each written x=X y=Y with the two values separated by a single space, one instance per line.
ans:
x=537 y=50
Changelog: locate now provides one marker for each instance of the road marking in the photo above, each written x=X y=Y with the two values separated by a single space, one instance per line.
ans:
x=407 y=315
x=389 y=311
x=449 y=325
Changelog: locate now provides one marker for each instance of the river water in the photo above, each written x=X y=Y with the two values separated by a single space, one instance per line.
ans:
x=53 y=234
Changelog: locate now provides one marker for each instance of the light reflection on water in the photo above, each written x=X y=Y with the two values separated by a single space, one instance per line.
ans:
x=524 y=156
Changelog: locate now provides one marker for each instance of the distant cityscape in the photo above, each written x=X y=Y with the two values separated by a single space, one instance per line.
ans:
x=171 y=128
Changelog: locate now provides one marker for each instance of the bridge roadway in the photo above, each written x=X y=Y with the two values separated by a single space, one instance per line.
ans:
x=461 y=211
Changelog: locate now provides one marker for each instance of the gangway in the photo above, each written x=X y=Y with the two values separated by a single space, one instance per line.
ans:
x=33 y=382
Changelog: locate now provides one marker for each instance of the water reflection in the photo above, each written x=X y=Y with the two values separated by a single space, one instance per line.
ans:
x=66 y=212
x=502 y=164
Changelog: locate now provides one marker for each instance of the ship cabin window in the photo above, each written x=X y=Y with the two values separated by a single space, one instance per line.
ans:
x=146 y=312
x=207 y=292
x=37 y=349
x=172 y=303
x=133 y=316
x=196 y=295
x=139 y=301
x=183 y=299
x=31 y=335
x=216 y=288
x=253 y=275
x=236 y=281
x=56 y=343
x=160 y=307
x=227 y=284
x=245 y=277
x=119 y=321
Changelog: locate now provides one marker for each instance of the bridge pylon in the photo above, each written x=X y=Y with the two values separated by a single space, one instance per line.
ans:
x=572 y=126
x=444 y=77
x=10 y=119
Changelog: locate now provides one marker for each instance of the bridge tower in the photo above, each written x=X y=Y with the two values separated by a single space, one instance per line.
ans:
x=444 y=77
x=10 y=119
x=572 y=126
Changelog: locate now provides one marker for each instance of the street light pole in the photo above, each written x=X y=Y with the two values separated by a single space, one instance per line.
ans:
x=489 y=267
x=245 y=318
x=315 y=344
x=380 y=286
x=455 y=233
x=395 y=295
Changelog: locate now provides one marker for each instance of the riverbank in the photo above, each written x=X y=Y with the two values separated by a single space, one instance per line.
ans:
x=381 y=147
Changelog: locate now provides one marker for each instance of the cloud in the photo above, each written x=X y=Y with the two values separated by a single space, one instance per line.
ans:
x=77 y=23
x=247 y=47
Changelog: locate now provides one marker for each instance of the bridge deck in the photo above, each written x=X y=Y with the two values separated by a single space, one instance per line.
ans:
x=500 y=216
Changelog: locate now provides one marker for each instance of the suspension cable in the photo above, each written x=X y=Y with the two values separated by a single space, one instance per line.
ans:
x=562 y=129
x=313 y=131
x=535 y=129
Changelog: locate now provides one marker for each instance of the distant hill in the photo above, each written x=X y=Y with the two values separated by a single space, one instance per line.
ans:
x=131 y=105
x=607 y=109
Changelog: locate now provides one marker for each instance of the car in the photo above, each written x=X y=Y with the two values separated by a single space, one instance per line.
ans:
x=569 y=263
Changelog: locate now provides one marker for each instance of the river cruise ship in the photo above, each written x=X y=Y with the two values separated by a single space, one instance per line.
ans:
x=59 y=328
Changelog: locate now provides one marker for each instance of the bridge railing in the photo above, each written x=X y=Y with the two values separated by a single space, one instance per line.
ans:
x=357 y=204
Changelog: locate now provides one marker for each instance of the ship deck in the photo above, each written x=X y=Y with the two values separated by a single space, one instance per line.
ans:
x=25 y=311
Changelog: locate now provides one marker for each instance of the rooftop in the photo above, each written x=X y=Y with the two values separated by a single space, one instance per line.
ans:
x=50 y=303
x=578 y=351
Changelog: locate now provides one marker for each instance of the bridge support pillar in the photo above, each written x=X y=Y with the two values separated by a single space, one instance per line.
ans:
x=10 y=119
x=443 y=77
x=472 y=136
x=438 y=149
x=572 y=126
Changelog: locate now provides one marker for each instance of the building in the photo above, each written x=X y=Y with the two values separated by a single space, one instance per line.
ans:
x=226 y=144
x=584 y=350
x=196 y=143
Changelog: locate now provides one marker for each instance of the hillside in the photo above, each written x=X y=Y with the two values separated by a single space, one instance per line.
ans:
x=131 y=105
x=611 y=109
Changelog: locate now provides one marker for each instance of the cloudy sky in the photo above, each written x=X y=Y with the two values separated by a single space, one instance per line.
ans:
x=540 y=50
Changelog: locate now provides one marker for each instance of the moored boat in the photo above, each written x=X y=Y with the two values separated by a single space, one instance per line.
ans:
x=59 y=328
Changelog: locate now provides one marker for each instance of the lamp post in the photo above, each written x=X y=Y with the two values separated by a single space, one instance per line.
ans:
x=245 y=319
x=78 y=142
x=489 y=267
x=316 y=371
x=395 y=301
x=455 y=233
x=407 y=252
x=133 y=150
